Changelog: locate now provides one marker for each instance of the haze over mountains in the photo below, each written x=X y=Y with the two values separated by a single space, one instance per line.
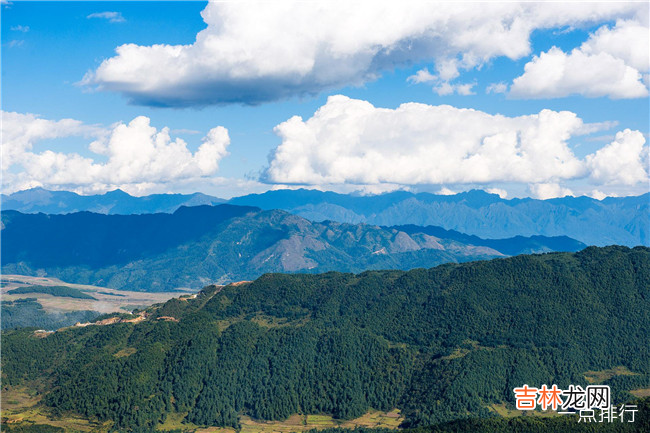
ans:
x=624 y=220
x=201 y=245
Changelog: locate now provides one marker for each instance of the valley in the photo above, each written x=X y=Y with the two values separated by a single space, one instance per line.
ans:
x=50 y=312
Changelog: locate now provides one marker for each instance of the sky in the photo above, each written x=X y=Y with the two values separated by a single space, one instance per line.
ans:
x=228 y=98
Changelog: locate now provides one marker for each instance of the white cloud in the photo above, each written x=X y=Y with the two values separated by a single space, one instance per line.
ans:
x=628 y=40
x=544 y=191
x=350 y=141
x=21 y=131
x=621 y=162
x=590 y=128
x=422 y=76
x=19 y=28
x=498 y=191
x=253 y=52
x=113 y=17
x=597 y=194
x=465 y=89
x=444 y=88
x=137 y=156
x=497 y=88
x=612 y=62
x=446 y=191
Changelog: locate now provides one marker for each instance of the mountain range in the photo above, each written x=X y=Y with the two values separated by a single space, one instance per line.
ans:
x=613 y=220
x=200 y=245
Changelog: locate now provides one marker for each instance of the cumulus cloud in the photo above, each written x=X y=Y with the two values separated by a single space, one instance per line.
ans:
x=544 y=191
x=263 y=51
x=622 y=162
x=351 y=141
x=21 y=131
x=134 y=155
x=113 y=17
x=612 y=62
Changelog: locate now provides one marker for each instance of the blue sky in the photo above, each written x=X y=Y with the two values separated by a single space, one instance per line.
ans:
x=49 y=47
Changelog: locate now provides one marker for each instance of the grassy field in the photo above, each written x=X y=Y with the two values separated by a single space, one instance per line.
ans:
x=295 y=423
x=603 y=375
x=106 y=300
x=507 y=411
x=641 y=392
x=20 y=405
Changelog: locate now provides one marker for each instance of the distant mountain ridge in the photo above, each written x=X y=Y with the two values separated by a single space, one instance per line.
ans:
x=614 y=220
x=201 y=245
x=115 y=202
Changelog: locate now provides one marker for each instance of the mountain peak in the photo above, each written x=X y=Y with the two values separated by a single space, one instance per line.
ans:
x=117 y=193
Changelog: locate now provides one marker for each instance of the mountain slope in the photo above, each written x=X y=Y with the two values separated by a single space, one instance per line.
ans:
x=439 y=344
x=201 y=245
x=510 y=246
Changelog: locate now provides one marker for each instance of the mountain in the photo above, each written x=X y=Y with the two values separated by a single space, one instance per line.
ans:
x=114 y=202
x=623 y=221
x=438 y=344
x=510 y=246
x=613 y=220
x=201 y=245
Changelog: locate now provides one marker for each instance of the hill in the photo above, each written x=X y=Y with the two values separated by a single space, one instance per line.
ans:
x=201 y=245
x=438 y=344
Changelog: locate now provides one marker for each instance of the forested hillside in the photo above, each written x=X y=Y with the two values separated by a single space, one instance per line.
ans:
x=440 y=344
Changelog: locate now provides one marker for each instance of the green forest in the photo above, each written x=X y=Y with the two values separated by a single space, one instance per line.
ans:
x=29 y=312
x=440 y=344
